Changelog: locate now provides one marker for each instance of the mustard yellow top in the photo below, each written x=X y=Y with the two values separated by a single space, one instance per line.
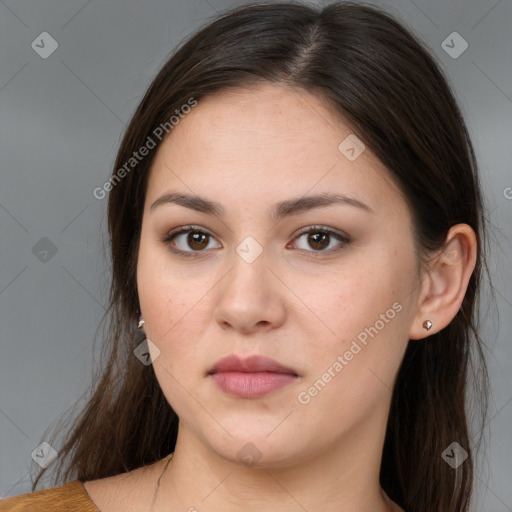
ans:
x=71 y=497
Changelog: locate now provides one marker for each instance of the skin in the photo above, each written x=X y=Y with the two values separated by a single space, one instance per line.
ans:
x=248 y=149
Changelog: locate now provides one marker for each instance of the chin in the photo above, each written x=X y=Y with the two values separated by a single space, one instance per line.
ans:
x=257 y=451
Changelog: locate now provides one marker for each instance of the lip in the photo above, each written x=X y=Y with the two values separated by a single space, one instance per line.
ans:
x=250 y=377
x=251 y=364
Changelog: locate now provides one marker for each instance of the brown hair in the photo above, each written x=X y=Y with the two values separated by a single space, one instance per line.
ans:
x=388 y=88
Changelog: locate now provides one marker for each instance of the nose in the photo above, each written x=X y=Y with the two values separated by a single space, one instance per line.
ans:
x=251 y=298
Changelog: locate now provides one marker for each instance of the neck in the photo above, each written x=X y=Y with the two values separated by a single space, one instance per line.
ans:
x=343 y=478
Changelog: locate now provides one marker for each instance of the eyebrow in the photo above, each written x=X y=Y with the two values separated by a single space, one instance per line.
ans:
x=280 y=210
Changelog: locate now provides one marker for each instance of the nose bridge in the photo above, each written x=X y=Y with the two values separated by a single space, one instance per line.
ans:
x=249 y=250
x=249 y=266
x=248 y=298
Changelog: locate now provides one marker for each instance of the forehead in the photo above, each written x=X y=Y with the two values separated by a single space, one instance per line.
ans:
x=269 y=142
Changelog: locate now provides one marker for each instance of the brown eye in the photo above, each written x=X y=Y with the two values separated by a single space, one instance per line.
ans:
x=317 y=241
x=197 y=241
x=188 y=240
x=320 y=240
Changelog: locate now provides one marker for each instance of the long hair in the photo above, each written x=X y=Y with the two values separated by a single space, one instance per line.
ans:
x=388 y=88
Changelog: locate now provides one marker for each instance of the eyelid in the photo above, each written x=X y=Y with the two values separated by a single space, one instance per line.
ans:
x=185 y=228
x=324 y=229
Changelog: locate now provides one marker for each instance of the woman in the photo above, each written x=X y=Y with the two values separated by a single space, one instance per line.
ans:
x=297 y=243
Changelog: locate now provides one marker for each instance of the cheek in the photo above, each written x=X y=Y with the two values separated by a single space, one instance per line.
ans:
x=173 y=323
x=353 y=374
x=166 y=300
x=362 y=315
x=176 y=315
x=174 y=319
x=353 y=299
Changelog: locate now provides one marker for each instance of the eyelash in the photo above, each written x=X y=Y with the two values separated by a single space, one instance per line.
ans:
x=343 y=239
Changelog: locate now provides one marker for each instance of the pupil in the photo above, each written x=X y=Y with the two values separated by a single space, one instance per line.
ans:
x=316 y=240
x=196 y=239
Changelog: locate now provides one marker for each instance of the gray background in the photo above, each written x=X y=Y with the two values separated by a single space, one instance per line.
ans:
x=62 y=120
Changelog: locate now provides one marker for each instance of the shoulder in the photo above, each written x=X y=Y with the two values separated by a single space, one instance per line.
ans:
x=71 y=495
x=126 y=492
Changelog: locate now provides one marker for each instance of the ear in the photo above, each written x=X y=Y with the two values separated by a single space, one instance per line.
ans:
x=445 y=282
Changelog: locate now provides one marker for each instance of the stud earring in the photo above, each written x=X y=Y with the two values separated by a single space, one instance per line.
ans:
x=427 y=324
x=141 y=322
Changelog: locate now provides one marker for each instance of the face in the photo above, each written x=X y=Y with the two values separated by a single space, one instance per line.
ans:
x=306 y=257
